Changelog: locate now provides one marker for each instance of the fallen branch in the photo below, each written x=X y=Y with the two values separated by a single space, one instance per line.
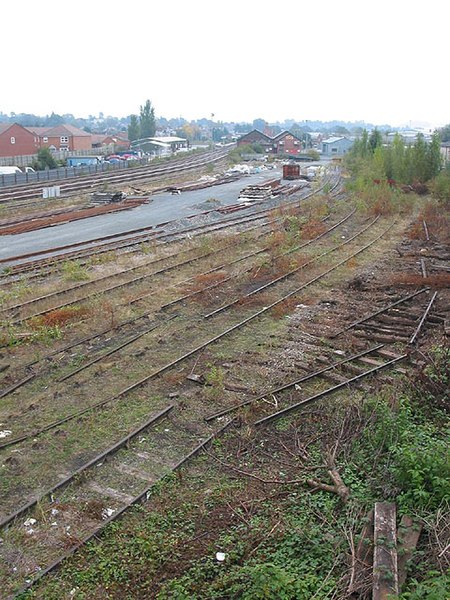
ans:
x=338 y=488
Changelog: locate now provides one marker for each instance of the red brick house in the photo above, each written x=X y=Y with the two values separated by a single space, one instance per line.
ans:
x=284 y=144
x=16 y=140
x=287 y=143
x=63 y=137
x=256 y=137
x=117 y=139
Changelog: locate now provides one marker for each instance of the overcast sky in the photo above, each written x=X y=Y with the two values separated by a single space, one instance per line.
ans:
x=382 y=61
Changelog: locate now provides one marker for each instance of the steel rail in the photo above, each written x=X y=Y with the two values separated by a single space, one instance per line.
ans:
x=141 y=498
x=65 y=256
x=293 y=407
x=192 y=352
x=287 y=275
x=378 y=312
x=149 y=168
x=138 y=174
x=81 y=285
x=250 y=255
x=290 y=384
x=110 y=352
x=163 y=307
x=108 y=289
x=423 y=319
x=99 y=457
x=74 y=345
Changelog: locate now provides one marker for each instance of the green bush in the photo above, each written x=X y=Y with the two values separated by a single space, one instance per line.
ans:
x=421 y=466
x=435 y=587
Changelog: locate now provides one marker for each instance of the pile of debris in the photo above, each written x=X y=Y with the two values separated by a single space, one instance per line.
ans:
x=260 y=192
x=98 y=198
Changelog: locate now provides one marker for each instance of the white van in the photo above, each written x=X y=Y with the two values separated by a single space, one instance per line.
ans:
x=14 y=170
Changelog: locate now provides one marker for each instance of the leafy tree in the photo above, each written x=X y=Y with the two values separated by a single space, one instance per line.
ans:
x=375 y=140
x=45 y=160
x=398 y=159
x=259 y=124
x=419 y=159
x=434 y=156
x=147 y=122
x=361 y=146
x=133 y=128
x=54 y=119
x=340 y=130
x=218 y=133
x=444 y=133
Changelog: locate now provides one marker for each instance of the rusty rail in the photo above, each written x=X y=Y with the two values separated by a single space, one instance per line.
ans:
x=320 y=395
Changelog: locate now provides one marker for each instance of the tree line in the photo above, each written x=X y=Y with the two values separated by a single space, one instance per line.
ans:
x=144 y=125
x=397 y=162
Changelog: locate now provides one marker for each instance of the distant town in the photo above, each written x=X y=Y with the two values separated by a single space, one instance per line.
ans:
x=23 y=136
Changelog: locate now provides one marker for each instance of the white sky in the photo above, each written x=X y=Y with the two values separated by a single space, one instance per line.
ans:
x=382 y=61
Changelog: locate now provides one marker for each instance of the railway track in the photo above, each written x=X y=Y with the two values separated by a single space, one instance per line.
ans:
x=90 y=495
x=62 y=505
x=20 y=264
x=184 y=297
x=139 y=279
x=100 y=485
x=176 y=361
x=71 y=186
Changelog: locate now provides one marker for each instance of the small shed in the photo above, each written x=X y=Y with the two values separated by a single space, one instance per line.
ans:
x=291 y=171
x=336 y=146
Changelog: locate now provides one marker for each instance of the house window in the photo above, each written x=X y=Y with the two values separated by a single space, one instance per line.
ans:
x=45 y=140
x=334 y=149
x=13 y=140
x=64 y=139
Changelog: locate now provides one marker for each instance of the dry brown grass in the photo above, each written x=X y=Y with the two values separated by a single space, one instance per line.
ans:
x=61 y=316
x=312 y=229
x=437 y=220
x=205 y=280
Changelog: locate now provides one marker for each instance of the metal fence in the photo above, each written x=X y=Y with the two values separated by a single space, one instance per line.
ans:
x=27 y=160
x=66 y=172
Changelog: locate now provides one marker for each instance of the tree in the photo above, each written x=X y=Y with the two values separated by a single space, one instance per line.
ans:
x=375 y=140
x=444 y=133
x=434 y=156
x=147 y=121
x=259 y=124
x=398 y=160
x=419 y=158
x=45 y=160
x=133 y=128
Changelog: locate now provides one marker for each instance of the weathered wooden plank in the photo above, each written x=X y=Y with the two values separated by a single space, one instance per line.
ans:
x=408 y=535
x=361 y=573
x=385 y=573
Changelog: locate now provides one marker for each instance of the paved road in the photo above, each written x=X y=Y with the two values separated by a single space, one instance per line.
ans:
x=165 y=207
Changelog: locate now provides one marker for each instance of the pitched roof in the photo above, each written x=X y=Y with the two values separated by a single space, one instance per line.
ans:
x=37 y=130
x=284 y=134
x=66 y=130
x=333 y=140
x=269 y=139
x=58 y=130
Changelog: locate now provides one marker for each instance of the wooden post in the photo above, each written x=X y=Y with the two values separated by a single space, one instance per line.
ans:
x=385 y=574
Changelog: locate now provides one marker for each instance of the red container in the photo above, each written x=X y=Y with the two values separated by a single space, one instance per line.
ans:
x=291 y=171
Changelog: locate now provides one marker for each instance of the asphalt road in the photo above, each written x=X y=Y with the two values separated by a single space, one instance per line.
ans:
x=164 y=207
